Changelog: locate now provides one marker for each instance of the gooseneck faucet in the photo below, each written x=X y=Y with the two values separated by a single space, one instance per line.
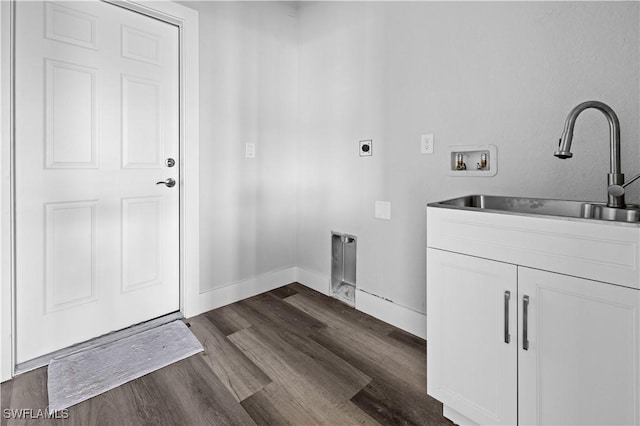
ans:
x=615 y=178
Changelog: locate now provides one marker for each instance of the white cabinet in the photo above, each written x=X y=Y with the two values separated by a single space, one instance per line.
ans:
x=472 y=367
x=508 y=344
x=581 y=366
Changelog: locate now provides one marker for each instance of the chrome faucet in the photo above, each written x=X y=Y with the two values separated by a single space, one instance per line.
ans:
x=615 y=178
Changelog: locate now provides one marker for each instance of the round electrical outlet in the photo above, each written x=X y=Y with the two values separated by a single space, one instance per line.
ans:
x=365 y=148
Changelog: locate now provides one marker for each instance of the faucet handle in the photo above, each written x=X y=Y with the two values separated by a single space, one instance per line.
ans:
x=616 y=190
x=633 y=179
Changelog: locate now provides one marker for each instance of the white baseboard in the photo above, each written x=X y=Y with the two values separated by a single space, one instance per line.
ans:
x=234 y=292
x=404 y=318
x=318 y=282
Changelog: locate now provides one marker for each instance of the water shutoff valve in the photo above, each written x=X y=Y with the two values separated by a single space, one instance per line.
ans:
x=473 y=160
x=482 y=165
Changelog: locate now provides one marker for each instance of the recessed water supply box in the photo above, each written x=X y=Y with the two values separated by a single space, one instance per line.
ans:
x=343 y=267
x=473 y=160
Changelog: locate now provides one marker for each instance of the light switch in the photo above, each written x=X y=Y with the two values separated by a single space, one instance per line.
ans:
x=383 y=210
x=250 y=150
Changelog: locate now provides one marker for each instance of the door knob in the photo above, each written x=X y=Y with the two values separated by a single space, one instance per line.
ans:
x=170 y=183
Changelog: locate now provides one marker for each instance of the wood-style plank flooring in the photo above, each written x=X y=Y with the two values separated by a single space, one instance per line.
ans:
x=291 y=356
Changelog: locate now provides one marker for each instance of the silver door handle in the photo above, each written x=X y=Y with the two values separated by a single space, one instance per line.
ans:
x=525 y=323
x=170 y=183
x=507 y=297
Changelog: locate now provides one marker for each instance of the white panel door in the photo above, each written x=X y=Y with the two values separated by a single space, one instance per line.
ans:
x=581 y=359
x=96 y=118
x=472 y=336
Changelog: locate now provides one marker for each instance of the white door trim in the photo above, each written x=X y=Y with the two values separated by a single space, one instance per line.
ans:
x=187 y=20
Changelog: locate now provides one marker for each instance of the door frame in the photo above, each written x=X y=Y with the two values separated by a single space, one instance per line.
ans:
x=186 y=20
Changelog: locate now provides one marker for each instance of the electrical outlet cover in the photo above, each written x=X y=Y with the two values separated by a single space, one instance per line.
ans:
x=366 y=148
x=426 y=144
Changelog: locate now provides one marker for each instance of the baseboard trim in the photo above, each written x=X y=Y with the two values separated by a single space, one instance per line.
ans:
x=404 y=318
x=239 y=290
x=315 y=281
x=399 y=316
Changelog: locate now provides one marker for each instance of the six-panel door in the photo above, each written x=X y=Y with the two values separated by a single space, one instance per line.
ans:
x=97 y=241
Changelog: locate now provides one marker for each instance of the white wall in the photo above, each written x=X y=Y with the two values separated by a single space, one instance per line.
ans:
x=5 y=207
x=306 y=82
x=248 y=93
x=504 y=73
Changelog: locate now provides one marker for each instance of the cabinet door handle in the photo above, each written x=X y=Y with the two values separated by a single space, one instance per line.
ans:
x=525 y=323
x=507 y=297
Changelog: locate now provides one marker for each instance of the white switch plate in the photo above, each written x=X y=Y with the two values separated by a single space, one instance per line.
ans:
x=250 y=150
x=426 y=144
x=383 y=210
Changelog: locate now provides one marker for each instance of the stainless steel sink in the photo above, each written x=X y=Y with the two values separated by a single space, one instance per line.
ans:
x=541 y=206
x=631 y=212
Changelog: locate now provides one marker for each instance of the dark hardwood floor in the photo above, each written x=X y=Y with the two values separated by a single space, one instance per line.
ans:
x=291 y=356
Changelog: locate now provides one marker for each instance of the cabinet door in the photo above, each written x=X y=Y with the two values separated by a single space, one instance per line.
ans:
x=581 y=364
x=471 y=356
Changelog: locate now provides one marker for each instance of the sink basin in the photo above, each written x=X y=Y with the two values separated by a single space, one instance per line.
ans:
x=541 y=206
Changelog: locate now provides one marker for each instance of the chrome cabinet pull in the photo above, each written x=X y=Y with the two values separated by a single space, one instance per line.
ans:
x=169 y=182
x=525 y=323
x=507 y=297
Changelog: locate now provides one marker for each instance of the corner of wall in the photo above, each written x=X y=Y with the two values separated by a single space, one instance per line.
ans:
x=314 y=280
x=234 y=292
